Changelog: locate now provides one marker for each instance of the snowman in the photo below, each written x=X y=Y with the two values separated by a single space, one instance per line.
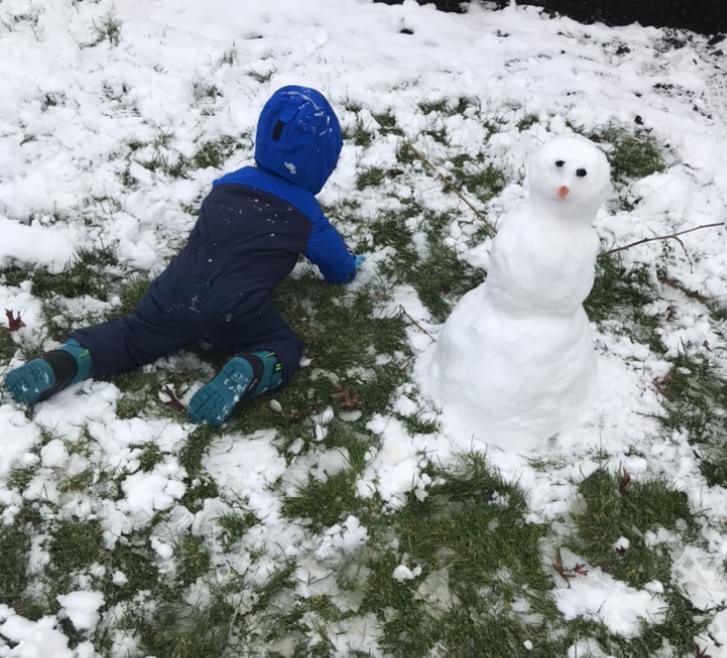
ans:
x=515 y=363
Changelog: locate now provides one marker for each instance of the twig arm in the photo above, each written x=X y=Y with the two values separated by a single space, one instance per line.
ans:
x=671 y=236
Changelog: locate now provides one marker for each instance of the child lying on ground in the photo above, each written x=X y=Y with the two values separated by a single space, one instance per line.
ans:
x=251 y=228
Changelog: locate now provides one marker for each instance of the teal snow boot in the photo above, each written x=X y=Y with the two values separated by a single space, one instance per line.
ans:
x=243 y=378
x=40 y=378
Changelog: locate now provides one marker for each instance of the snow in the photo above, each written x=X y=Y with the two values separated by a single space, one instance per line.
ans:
x=402 y=573
x=67 y=117
x=35 y=639
x=598 y=596
x=34 y=244
x=342 y=539
x=82 y=608
x=396 y=469
x=154 y=491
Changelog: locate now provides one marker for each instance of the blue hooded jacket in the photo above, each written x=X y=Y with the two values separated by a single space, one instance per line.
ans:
x=257 y=220
x=297 y=145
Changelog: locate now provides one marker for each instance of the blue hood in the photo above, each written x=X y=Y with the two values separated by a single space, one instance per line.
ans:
x=298 y=137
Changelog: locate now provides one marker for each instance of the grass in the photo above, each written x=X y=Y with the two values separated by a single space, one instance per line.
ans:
x=371 y=177
x=617 y=507
x=620 y=298
x=339 y=490
x=480 y=179
x=483 y=549
x=614 y=510
x=7 y=345
x=160 y=156
x=696 y=402
x=476 y=554
x=193 y=559
x=440 y=277
x=86 y=275
x=109 y=29
x=14 y=549
x=234 y=525
x=632 y=156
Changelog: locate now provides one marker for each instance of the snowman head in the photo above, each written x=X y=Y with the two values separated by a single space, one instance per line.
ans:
x=569 y=176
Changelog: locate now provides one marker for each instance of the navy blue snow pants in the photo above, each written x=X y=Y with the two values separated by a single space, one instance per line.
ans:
x=218 y=288
x=151 y=332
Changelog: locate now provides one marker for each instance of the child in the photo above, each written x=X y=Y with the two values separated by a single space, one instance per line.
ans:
x=251 y=228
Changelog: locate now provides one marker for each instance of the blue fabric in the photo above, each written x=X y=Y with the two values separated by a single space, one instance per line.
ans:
x=324 y=246
x=298 y=137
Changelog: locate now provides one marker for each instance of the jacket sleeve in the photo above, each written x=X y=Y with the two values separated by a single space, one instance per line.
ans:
x=329 y=252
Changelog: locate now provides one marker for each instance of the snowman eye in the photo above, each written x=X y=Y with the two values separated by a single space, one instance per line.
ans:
x=559 y=163
x=581 y=173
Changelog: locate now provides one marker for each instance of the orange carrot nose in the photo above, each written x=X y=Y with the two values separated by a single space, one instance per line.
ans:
x=563 y=191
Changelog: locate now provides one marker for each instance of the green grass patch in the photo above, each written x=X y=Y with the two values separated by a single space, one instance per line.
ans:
x=150 y=456
x=619 y=296
x=7 y=345
x=21 y=476
x=14 y=548
x=696 y=401
x=176 y=630
x=481 y=179
x=447 y=106
x=200 y=489
x=190 y=457
x=131 y=291
x=632 y=156
x=109 y=29
x=434 y=106
x=371 y=177
x=234 y=525
x=442 y=278
x=209 y=154
x=612 y=513
x=193 y=559
x=471 y=537
x=617 y=507
x=439 y=135
x=360 y=136
x=387 y=124
x=139 y=392
x=87 y=275
x=528 y=121
x=76 y=544
x=327 y=502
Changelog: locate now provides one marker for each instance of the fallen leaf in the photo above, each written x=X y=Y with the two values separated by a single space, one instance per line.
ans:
x=15 y=322
x=347 y=398
x=624 y=484
x=173 y=400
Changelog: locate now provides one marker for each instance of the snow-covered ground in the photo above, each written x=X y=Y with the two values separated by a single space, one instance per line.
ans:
x=92 y=92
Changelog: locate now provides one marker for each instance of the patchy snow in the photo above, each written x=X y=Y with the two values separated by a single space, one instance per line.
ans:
x=82 y=608
x=34 y=639
x=69 y=116
x=598 y=596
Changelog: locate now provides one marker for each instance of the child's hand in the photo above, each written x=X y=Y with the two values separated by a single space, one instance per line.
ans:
x=360 y=259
